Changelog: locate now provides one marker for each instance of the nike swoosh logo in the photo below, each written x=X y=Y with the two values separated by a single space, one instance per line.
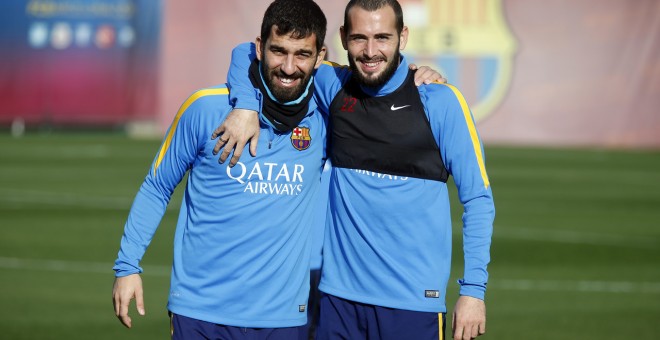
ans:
x=394 y=108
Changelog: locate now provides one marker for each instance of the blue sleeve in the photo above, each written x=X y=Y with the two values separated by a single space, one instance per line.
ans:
x=238 y=78
x=463 y=155
x=328 y=80
x=177 y=154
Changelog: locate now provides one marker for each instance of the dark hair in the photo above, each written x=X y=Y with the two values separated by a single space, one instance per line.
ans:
x=374 y=5
x=301 y=18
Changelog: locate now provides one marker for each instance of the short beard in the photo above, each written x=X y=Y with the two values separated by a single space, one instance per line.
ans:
x=284 y=95
x=381 y=79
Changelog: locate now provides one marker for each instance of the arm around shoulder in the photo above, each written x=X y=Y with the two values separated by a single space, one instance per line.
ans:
x=242 y=125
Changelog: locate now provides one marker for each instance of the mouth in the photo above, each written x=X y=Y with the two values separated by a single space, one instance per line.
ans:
x=287 y=81
x=370 y=66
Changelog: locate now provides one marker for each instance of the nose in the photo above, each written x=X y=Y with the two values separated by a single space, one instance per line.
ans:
x=370 y=49
x=288 y=66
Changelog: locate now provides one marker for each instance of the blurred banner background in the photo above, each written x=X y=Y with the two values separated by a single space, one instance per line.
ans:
x=79 y=63
x=559 y=73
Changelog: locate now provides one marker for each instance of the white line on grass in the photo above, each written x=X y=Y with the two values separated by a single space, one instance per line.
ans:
x=576 y=237
x=625 y=287
x=73 y=266
x=93 y=151
x=579 y=286
x=63 y=199
x=67 y=199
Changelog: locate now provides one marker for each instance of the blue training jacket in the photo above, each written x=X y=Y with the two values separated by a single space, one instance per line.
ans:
x=242 y=241
x=388 y=238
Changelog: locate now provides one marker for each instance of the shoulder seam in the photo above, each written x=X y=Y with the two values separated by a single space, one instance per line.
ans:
x=197 y=95
x=333 y=64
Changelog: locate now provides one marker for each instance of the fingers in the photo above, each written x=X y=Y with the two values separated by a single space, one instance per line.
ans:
x=139 y=301
x=220 y=142
x=124 y=290
x=458 y=334
x=474 y=331
x=239 y=127
x=238 y=151
x=122 y=313
x=239 y=147
x=469 y=318
x=228 y=147
x=253 y=144
x=217 y=132
x=120 y=303
x=223 y=141
x=115 y=304
x=427 y=75
x=468 y=333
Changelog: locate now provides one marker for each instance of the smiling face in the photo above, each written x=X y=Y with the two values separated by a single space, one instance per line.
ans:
x=373 y=44
x=288 y=63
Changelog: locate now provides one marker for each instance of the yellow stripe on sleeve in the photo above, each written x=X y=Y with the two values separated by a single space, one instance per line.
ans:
x=182 y=109
x=473 y=134
x=441 y=327
x=333 y=64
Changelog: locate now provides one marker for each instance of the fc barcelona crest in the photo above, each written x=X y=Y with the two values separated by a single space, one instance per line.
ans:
x=300 y=138
x=469 y=41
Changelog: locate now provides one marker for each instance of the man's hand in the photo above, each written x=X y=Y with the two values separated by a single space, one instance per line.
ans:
x=124 y=290
x=469 y=318
x=240 y=127
x=426 y=75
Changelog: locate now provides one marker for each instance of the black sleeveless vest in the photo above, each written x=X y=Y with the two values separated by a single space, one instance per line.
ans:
x=388 y=134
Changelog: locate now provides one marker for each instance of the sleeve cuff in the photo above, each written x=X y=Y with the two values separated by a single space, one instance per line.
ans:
x=248 y=102
x=121 y=271
x=472 y=289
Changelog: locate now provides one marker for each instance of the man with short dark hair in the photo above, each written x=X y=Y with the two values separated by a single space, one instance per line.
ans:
x=242 y=242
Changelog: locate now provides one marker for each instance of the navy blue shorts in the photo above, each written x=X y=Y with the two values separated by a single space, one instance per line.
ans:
x=184 y=328
x=345 y=319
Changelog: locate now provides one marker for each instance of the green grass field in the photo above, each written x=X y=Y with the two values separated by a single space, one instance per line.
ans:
x=576 y=251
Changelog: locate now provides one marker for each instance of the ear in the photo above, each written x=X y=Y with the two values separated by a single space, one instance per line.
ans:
x=343 y=38
x=320 y=57
x=403 y=38
x=257 y=42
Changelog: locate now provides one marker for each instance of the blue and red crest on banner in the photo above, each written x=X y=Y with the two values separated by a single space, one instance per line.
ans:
x=468 y=41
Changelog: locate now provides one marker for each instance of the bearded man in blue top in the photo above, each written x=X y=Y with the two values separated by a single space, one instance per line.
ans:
x=387 y=250
x=242 y=242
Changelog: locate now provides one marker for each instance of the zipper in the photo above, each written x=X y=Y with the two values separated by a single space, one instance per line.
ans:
x=271 y=136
